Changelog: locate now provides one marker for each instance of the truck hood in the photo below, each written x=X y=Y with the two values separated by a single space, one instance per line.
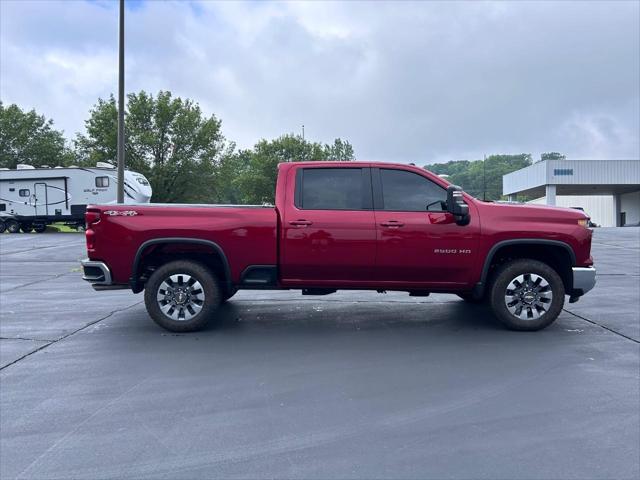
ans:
x=527 y=210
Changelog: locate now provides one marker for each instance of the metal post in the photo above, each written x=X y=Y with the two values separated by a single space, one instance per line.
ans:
x=617 y=209
x=550 y=194
x=120 y=197
x=484 y=180
x=303 y=132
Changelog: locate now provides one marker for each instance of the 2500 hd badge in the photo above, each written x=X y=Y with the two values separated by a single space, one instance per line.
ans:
x=452 y=251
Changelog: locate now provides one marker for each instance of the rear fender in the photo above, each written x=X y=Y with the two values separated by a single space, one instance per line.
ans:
x=138 y=286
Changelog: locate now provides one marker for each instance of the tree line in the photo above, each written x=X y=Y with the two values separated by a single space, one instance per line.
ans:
x=187 y=159
x=483 y=178
x=169 y=140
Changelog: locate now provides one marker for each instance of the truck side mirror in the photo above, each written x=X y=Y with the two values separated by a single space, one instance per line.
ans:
x=456 y=205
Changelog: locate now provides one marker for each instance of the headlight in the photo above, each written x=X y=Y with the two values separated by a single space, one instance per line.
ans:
x=583 y=222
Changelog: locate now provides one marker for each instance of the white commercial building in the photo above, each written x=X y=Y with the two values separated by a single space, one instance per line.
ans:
x=608 y=190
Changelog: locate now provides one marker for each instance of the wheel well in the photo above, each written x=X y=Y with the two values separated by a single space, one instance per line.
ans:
x=152 y=256
x=556 y=256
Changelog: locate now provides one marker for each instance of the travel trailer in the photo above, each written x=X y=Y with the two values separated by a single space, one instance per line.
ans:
x=31 y=198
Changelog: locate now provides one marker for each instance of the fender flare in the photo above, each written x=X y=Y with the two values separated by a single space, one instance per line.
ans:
x=521 y=241
x=135 y=284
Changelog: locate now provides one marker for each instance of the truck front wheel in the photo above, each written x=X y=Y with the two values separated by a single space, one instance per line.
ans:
x=181 y=296
x=527 y=295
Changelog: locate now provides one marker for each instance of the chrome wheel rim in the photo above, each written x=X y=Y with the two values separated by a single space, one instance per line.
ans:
x=528 y=296
x=180 y=297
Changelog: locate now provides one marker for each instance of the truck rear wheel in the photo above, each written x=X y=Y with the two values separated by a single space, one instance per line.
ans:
x=182 y=296
x=3 y=227
x=527 y=295
x=40 y=227
x=26 y=227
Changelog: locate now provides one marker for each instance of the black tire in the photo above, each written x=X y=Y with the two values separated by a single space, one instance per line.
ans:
x=534 y=304
x=26 y=227
x=198 y=314
x=12 y=226
x=40 y=228
x=229 y=295
x=3 y=227
x=470 y=298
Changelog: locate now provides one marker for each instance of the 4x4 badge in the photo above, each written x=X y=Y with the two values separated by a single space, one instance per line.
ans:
x=123 y=213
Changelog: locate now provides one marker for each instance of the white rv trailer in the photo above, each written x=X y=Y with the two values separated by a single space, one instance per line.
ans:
x=31 y=198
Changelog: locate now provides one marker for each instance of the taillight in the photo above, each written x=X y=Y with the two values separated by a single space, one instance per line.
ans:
x=90 y=236
x=91 y=217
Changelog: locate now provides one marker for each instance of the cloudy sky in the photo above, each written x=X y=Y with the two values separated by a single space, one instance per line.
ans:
x=402 y=81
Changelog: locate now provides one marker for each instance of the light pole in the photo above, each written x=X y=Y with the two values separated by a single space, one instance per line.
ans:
x=120 y=196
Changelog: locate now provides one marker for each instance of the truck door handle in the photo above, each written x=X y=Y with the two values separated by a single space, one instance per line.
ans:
x=392 y=224
x=300 y=223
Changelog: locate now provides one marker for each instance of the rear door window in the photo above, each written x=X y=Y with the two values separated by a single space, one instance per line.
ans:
x=333 y=189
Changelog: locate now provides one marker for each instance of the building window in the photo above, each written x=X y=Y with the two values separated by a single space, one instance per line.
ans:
x=562 y=171
x=24 y=192
x=102 y=182
x=3 y=207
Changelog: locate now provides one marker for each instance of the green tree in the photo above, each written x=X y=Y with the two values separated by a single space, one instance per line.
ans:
x=552 y=156
x=29 y=138
x=100 y=142
x=185 y=156
x=340 y=150
x=258 y=180
x=482 y=179
x=167 y=139
x=227 y=185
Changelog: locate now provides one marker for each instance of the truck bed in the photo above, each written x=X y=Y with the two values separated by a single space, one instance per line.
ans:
x=247 y=234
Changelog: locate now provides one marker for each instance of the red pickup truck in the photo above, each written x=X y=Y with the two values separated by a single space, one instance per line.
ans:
x=344 y=225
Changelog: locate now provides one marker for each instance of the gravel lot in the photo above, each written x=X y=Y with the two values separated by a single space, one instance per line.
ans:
x=351 y=385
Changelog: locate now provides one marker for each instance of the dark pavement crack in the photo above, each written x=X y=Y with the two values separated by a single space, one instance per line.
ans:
x=28 y=339
x=618 y=274
x=603 y=326
x=42 y=347
x=616 y=246
x=51 y=277
x=39 y=248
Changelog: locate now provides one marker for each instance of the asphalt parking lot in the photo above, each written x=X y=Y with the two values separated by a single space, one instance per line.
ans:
x=351 y=385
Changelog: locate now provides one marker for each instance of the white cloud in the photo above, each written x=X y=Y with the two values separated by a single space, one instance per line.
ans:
x=403 y=81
